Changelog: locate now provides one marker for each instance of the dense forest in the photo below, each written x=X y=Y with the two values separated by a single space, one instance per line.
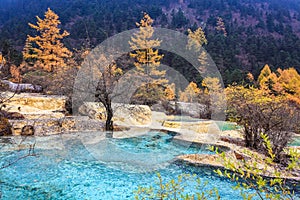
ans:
x=258 y=32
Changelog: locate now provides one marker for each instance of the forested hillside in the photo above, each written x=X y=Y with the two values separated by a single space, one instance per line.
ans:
x=258 y=32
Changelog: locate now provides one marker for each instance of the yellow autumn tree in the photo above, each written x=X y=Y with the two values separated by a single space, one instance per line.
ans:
x=213 y=90
x=270 y=83
x=196 y=39
x=211 y=84
x=46 y=47
x=264 y=74
x=285 y=83
x=289 y=79
x=221 y=26
x=250 y=77
x=191 y=93
x=16 y=74
x=28 y=52
x=2 y=60
x=288 y=84
x=170 y=92
x=147 y=61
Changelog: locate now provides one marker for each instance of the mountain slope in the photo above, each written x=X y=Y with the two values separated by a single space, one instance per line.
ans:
x=259 y=31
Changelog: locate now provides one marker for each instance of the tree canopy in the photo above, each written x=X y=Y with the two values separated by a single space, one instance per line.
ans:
x=46 y=48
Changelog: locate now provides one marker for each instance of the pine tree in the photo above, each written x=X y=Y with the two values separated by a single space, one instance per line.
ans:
x=191 y=93
x=264 y=80
x=213 y=88
x=28 y=53
x=147 y=62
x=196 y=39
x=47 y=47
x=147 y=58
x=289 y=79
x=16 y=74
x=221 y=26
x=170 y=92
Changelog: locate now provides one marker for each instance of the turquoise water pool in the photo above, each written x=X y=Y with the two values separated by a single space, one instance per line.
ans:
x=107 y=169
x=295 y=142
x=227 y=126
x=223 y=125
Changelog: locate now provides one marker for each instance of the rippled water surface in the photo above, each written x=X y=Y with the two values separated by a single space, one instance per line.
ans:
x=106 y=169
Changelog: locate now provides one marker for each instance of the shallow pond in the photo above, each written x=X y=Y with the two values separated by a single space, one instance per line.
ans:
x=106 y=169
x=295 y=142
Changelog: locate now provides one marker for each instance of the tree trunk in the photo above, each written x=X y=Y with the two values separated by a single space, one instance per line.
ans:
x=109 y=123
x=248 y=137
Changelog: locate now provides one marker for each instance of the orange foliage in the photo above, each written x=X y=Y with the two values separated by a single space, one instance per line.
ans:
x=250 y=77
x=16 y=74
x=264 y=74
x=191 y=93
x=285 y=83
x=289 y=79
x=2 y=60
x=147 y=59
x=147 y=62
x=221 y=26
x=170 y=92
x=50 y=52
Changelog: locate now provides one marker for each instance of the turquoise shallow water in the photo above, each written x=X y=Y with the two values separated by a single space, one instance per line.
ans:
x=227 y=126
x=108 y=169
x=295 y=142
x=223 y=125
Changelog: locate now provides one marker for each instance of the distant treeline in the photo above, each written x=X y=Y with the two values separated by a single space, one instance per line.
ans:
x=258 y=31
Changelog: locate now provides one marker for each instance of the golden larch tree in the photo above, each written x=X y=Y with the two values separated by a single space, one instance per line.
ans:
x=264 y=73
x=268 y=80
x=147 y=61
x=16 y=74
x=250 y=77
x=191 y=93
x=2 y=60
x=170 y=92
x=213 y=88
x=46 y=47
x=221 y=26
x=196 y=39
x=288 y=84
x=284 y=83
x=289 y=79
x=147 y=58
x=212 y=84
